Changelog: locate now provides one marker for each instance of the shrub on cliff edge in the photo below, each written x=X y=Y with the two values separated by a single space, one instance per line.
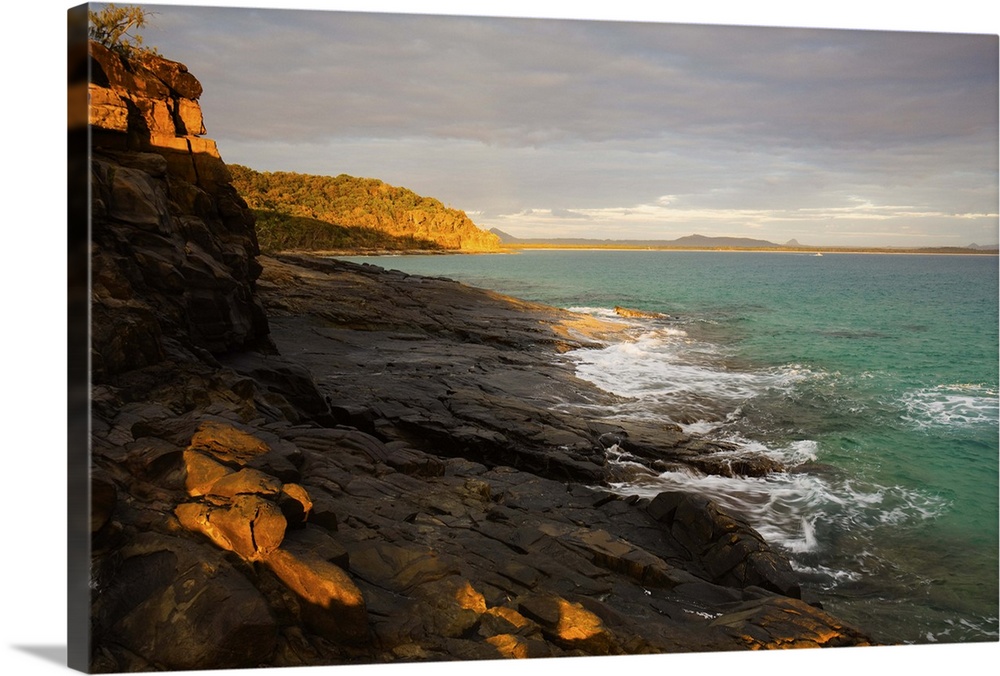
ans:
x=117 y=28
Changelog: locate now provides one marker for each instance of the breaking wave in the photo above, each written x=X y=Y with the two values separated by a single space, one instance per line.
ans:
x=951 y=405
x=662 y=373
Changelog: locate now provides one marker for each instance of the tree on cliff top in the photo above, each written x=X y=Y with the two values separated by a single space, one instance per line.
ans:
x=117 y=28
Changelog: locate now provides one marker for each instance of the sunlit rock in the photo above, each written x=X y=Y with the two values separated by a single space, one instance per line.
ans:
x=570 y=625
x=250 y=526
x=295 y=504
x=333 y=605
x=227 y=443
x=201 y=472
x=246 y=481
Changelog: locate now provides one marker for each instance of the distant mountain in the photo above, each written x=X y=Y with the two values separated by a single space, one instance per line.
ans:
x=504 y=237
x=792 y=242
x=689 y=242
x=983 y=247
x=699 y=241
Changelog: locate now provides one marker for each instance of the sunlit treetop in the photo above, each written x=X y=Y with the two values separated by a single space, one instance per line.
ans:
x=117 y=28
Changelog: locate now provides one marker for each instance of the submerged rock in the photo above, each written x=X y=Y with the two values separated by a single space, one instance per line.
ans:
x=632 y=313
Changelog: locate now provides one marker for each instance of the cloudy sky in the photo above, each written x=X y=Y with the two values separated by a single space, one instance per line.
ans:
x=614 y=129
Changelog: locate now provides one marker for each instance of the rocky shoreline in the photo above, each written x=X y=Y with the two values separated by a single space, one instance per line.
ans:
x=301 y=461
x=406 y=478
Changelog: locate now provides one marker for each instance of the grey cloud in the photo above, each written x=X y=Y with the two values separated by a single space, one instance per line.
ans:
x=529 y=82
x=503 y=115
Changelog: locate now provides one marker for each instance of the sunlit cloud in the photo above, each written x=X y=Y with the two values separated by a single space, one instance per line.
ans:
x=665 y=221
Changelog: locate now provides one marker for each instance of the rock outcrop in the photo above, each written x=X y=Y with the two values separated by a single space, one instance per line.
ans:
x=174 y=248
x=297 y=461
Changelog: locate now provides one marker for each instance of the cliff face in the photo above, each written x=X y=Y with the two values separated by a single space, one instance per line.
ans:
x=173 y=244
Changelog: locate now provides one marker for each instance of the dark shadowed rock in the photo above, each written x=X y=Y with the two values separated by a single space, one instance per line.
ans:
x=291 y=385
x=316 y=542
x=732 y=551
x=103 y=496
x=398 y=568
x=182 y=608
x=788 y=623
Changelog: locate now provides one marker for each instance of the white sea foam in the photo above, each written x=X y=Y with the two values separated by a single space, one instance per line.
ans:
x=951 y=405
x=664 y=373
x=791 y=455
x=603 y=312
x=795 y=511
x=701 y=427
x=834 y=574
x=672 y=376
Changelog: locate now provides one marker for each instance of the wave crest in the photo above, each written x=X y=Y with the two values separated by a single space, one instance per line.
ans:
x=962 y=404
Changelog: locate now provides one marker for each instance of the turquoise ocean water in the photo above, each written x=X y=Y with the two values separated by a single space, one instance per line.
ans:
x=873 y=378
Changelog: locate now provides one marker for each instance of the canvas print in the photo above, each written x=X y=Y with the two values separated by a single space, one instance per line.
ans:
x=416 y=338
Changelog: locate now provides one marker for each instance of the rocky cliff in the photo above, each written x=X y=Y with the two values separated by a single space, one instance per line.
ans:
x=296 y=461
x=174 y=247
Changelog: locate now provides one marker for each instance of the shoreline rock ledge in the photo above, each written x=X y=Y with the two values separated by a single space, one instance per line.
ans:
x=298 y=461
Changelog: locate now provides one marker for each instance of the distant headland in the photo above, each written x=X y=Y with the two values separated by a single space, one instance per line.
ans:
x=350 y=215
x=344 y=213
x=702 y=242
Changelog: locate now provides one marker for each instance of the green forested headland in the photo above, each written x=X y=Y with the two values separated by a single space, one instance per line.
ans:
x=344 y=213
